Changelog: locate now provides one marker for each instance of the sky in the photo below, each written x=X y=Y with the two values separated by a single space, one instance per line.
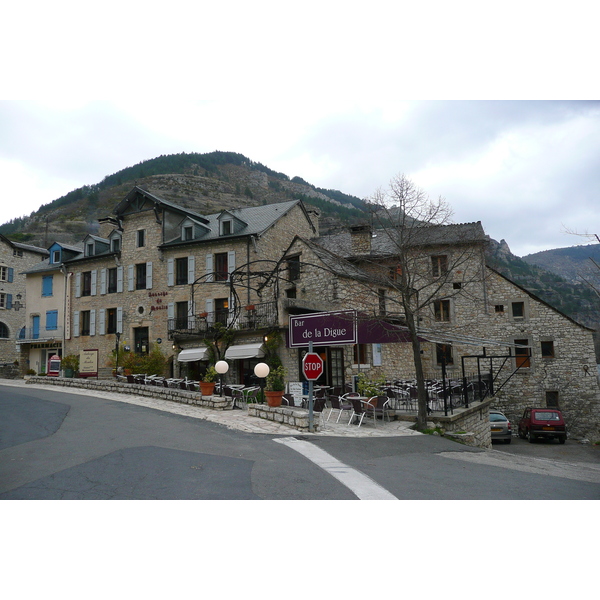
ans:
x=492 y=114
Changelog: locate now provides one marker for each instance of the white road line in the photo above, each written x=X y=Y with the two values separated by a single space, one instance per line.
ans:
x=360 y=485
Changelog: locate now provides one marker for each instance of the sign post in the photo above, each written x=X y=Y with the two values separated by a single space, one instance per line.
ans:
x=312 y=369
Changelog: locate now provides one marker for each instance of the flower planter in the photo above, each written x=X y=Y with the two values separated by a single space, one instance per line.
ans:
x=207 y=388
x=273 y=398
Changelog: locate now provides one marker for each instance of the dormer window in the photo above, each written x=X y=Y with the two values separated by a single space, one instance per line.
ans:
x=90 y=250
x=55 y=256
x=115 y=244
x=227 y=227
x=188 y=233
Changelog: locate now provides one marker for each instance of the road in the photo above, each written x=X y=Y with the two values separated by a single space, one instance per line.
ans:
x=57 y=445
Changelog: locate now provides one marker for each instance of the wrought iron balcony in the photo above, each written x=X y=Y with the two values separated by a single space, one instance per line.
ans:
x=28 y=335
x=253 y=316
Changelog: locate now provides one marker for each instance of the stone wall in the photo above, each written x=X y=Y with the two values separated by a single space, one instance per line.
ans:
x=294 y=417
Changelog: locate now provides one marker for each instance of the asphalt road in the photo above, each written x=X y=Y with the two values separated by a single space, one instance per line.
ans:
x=56 y=445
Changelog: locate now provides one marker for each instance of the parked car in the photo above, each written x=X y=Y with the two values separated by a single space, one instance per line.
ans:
x=542 y=423
x=500 y=426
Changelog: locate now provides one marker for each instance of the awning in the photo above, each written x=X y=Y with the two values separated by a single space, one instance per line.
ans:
x=192 y=354
x=376 y=331
x=245 y=351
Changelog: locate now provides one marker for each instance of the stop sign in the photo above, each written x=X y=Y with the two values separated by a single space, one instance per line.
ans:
x=312 y=366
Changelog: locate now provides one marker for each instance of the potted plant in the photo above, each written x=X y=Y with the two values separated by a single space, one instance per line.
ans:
x=207 y=385
x=369 y=388
x=70 y=364
x=275 y=386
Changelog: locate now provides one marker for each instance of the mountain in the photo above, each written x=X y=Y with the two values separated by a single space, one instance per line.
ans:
x=208 y=183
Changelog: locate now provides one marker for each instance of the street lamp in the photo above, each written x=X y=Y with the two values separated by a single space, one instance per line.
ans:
x=221 y=367
x=117 y=338
x=261 y=370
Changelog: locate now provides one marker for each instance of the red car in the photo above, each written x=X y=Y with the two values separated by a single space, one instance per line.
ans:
x=542 y=423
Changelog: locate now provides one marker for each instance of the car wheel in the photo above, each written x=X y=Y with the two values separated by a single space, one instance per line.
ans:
x=507 y=441
x=522 y=435
x=562 y=439
x=530 y=437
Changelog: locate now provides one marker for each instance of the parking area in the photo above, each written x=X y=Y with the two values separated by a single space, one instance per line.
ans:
x=571 y=451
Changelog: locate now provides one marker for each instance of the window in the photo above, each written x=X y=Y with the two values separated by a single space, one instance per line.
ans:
x=140 y=276
x=457 y=285
x=188 y=233
x=18 y=253
x=395 y=273
x=52 y=319
x=518 y=310
x=181 y=315
x=499 y=308
x=111 y=320
x=221 y=310
x=227 y=227
x=47 y=283
x=547 y=349
x=360 y=354
x=141 y=238
x=294 y=268
x=522 y=356
x=4 y=274
x=115 y=244
x=290 y=293
x=86 y=283
x=56 y=256
x=552 y=399
x=443 y=354
x=4 y=300
x=112 y=280
x=84 y=322
x=221 y=272
x=90 y=250
x=439 y=265
x=181 y=271
x=441 y=310
x=3 y=331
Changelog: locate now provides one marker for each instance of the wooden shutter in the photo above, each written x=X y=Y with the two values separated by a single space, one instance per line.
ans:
x=149 y=275
x=101 y=321
x=191 y=269
x=171 y=272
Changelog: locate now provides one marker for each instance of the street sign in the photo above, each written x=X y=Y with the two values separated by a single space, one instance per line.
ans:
x=312 y=366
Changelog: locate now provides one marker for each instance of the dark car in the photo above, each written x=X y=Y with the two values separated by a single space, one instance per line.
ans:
x=500 y=426
x=545 y=423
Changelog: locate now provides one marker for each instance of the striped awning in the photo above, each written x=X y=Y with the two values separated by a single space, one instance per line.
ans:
x=245 y=351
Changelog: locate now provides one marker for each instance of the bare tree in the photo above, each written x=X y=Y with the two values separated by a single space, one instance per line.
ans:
x=424 y=260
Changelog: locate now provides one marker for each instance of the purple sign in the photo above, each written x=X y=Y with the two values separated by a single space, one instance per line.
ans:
x=323 y=329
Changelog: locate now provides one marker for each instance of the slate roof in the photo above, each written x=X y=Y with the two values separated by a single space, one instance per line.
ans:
x=383 y=242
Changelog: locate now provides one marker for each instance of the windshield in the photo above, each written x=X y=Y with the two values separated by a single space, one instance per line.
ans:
x=546 y=416
x=497 y=417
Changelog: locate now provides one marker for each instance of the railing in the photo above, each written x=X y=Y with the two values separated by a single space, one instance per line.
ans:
x=29 y=334
x=254 y=316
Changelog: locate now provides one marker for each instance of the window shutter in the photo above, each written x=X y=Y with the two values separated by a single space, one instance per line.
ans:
x=94 y=282
x=209 y=267
x=119 y=319
x=149 y=275
x=191 y=269
x=76 y=324
x=119 y=279
x=171 y=310
x=9 y=301
x=102 y=282
x=230 y=263
x=209 y=309
x=101 y=321
x=77 y=286
x=130 y=278
x=171 y=272
x=11 y=272
x=93 y=322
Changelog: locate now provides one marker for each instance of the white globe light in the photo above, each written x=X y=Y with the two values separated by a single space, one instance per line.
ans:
x=261 y=370
x=221 y=367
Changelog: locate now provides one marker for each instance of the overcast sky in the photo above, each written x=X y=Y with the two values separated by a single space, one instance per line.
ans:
x=326 y=95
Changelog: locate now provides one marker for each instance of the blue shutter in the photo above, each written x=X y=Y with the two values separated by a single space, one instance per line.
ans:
x=51 y=319
x=10 y=274
x=9 y=301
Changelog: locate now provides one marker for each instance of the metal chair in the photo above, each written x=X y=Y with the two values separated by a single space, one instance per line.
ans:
x=341 y=404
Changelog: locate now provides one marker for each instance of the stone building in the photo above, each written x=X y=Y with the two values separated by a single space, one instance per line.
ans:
x=15 y=259
x=162 y=274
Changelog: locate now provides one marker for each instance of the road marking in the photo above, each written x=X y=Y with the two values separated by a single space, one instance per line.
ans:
x=360 y=485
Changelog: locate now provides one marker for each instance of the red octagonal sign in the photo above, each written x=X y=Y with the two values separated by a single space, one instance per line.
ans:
x=312 y=366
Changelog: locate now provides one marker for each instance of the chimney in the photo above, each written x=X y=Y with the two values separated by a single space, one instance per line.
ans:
x=361 y=239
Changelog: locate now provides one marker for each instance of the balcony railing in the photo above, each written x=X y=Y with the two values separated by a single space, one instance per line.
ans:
x=28 y=334
x=254 y=316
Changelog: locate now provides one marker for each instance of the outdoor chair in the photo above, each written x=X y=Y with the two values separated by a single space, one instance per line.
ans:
x=342 y=404
x=289 y=399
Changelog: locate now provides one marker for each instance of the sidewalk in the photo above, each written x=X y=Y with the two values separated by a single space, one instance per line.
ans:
x=237 y=419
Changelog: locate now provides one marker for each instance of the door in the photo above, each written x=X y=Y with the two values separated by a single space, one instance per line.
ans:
x=141 y=340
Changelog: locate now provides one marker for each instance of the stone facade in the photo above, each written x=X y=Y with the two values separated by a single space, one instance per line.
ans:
x=15 y=258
